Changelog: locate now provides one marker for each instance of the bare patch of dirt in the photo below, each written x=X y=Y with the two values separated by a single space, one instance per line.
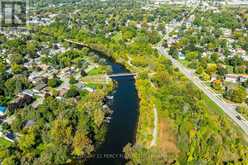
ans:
x=166 y=138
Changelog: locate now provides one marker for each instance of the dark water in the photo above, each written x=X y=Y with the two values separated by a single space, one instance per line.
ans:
x=122 y=127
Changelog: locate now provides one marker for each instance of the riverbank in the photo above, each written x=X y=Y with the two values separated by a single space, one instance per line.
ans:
x=145 y=90
x=123 y=123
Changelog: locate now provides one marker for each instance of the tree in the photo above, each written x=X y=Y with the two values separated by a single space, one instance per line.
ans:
x=82 y=145
x=192 y=55
x=72 y=92
x=173 y=52
x=27 y=141
x=214 y=57
x=205 y=77
x=16 y=59
x=237 y=94
x=98 y=116
x=2 y=68
x=9 y=160
x=140 y=155
x=199 y=70
x=15 y=84
x=61 y=131
x=243 y=109
x=72 y=80
x=54 y=82
x=221 y=70
x=53 y=154
x=17 y=69
x=31 y=48
x=216 y=84
x=211 y=68
x=245 y=84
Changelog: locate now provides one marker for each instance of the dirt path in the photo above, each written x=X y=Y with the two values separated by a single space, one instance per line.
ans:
x=155 y=129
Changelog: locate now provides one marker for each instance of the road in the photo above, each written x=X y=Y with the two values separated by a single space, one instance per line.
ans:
x=174 y=25
x=227 y=108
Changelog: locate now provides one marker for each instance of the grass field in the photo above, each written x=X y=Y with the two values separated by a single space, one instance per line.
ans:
x=212 y=106
x=96 y=71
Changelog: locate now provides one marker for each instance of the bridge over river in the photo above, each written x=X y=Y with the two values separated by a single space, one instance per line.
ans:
x=122 y=75
x=105 y=78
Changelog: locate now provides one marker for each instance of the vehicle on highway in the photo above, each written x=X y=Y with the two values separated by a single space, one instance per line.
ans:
x=238 y=117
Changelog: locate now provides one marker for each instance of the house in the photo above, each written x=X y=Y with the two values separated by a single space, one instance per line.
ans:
x=29 y=123
x=241 y=51
x=80 y=85
x=243 y=78
x=2 y=110
x=39 y=87
x=231 y=78
x=236 y=78
x=20 y=102
x=34 y=76
x=28 y=92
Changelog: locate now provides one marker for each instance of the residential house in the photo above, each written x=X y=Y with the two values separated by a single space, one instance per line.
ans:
x=236 y=78
x=28 y=92
x=80 y=85
x=21 y=101
x=243 y=78
x=231 y=78
x=29 y=123
x=39 y=87
x=240 y=52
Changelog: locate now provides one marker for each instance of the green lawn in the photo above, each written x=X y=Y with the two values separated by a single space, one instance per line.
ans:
x=212 y=106
x=96 y=71
x=91 y=85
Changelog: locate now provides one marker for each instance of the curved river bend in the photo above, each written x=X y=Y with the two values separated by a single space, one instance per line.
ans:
x=122 y=126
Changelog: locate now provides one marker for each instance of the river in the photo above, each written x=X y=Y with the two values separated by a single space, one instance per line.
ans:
x=123 y=124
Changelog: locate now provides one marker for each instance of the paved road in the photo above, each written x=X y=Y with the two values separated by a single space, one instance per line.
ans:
x=227 y=108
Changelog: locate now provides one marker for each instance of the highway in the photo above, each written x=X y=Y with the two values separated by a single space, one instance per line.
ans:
x=227 y=108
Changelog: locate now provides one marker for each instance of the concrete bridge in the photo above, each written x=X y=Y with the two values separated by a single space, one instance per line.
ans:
x=122 y=75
